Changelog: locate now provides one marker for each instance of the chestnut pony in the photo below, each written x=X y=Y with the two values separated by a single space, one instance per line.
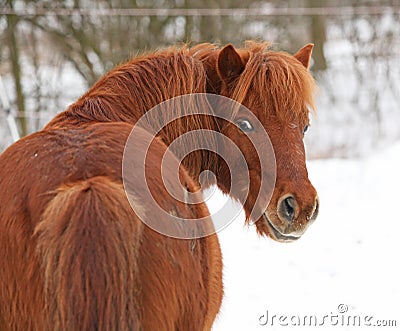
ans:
x=75 y=256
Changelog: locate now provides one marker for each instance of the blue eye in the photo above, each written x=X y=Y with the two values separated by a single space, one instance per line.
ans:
x=244 y=125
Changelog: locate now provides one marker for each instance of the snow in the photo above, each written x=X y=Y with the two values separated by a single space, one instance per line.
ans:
x=348 y=256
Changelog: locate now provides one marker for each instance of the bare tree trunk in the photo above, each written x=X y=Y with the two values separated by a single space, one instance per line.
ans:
x=318 y=35
x=12 y=21
x=35 y=122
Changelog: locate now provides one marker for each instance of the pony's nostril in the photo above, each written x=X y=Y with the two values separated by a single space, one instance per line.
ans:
x=287 y=209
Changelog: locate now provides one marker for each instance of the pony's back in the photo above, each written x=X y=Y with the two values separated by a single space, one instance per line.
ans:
x=75 y=256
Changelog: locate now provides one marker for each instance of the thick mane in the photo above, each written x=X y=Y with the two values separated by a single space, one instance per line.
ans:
x=127 y=92
x=130 y=90
x=280 y=83
x=274 y=81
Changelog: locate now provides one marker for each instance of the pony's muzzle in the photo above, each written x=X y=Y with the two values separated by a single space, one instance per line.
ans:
x=294 y=217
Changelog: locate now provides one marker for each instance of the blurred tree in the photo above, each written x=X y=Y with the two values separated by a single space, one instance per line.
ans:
x=36 y=45
x=14 y=58
x=318 y=37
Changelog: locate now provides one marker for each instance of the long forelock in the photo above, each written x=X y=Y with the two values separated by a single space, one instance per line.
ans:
x=278 y=81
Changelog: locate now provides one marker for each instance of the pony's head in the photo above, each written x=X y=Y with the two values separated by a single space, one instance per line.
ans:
x=278 y=89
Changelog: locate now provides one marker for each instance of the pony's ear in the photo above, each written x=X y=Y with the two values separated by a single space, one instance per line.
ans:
x=229 y=63
x=304 y=55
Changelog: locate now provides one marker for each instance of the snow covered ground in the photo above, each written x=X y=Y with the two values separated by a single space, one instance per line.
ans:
x=345 y=266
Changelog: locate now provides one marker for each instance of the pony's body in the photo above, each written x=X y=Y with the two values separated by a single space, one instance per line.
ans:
x=74 y=255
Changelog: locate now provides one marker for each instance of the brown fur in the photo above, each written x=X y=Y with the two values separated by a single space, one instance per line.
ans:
x=278 y=89
x=73 y=253
x=127 y=92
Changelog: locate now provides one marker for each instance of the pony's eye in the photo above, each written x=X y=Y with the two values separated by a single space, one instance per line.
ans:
x=244 y=125
x=305 y=129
